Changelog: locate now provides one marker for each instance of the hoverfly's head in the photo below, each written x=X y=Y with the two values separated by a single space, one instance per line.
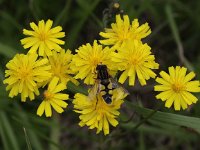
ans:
x=102 y=72
x=101 y=67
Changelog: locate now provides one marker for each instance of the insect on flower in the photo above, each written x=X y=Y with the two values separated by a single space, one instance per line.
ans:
x=105 y=85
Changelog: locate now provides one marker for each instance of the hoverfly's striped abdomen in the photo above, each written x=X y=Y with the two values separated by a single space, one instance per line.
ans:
x=106 y=85
x=106 y=91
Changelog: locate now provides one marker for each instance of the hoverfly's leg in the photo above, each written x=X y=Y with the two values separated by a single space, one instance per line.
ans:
x=97 y=94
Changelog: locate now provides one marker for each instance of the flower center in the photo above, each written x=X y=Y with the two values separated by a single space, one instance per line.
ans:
x=95 y=61
x=47 y=95
x=58 y=70
x=124 y=36
x=134 y=60
x=178 y=87
x=24 y=73
x=42 y=36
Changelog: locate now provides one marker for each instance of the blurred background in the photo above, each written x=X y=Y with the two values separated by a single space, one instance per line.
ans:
x=174 y=40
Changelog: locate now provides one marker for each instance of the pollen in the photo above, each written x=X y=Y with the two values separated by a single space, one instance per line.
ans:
x=48 y=95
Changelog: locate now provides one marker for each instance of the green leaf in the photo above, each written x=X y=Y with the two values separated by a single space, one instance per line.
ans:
x=11 y=19
x=84 y=11
x=170 y=118
x=55 y=133
x=26 y=123
x=8 y=131
x=61 y=19
x=177 y=38
x=153 y=129
x=7 y=51
x=76 y=89
x=3 y=137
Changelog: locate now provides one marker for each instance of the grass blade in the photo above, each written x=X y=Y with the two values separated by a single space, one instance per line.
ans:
x=169 y=118
x=27 y=139
x=11 y=137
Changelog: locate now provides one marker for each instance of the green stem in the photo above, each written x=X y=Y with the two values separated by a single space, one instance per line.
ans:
x=145 y=119
x=55 y=133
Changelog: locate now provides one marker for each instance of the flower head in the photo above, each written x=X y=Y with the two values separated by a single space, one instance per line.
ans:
x=43 y=37
x=122 y=30
x=135 y=59
x=176 y=87
x=88 y=56
x=24 y=73
x=96 y=113
x=53 y=98
x=60 y=66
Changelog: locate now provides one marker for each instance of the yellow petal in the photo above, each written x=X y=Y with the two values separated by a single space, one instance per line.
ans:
x=52 y=84
x=105 y=126
x=61 y=96
x=48 y=111
x=56 y=107
x=123 y=77
x=170 y=101
x=177 y=103
x=189 y=77
x=41 y=108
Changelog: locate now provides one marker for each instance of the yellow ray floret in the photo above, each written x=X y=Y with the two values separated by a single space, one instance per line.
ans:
x=24 y=74
x=176 y=88
x=88 y=56
x=43 y=38
x=123 y=30
x=135 y=59
x=53 y=98
x=95 y=113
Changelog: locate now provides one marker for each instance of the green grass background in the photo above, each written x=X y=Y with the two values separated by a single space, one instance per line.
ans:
x=174 y=41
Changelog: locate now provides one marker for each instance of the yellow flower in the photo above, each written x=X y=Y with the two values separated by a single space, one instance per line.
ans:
x=96 y=113
x=84 y=63
x=135 y=59
x=60 y=66
x=122 y=30
x=176 y=87
x=53 y=98
x=44 y=38
x=24 y=73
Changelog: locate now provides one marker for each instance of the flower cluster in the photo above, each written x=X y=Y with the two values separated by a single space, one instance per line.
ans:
x=123 y=51
x=48 y=67
x=46 y=63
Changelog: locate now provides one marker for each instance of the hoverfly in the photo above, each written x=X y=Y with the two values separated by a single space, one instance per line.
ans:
x=105 y=84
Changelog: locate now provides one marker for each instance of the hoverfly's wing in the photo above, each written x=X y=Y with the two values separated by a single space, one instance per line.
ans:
x=117 y=85
x=94 y=90
x=122 y=92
